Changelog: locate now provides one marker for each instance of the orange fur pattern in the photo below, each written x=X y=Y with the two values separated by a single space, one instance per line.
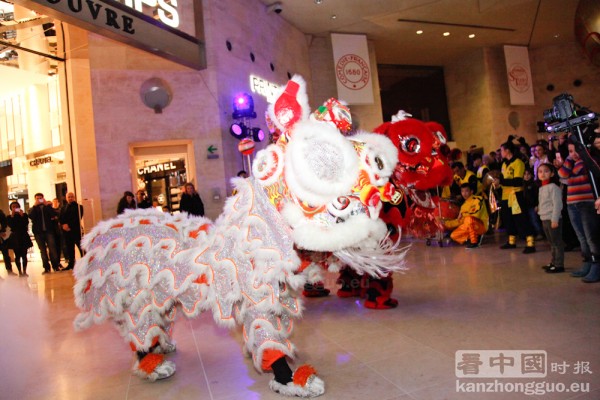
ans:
x=149 y=363
x=269 y=357
x=303 y=373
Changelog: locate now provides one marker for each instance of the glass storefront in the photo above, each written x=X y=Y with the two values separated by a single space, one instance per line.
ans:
x=31 y=119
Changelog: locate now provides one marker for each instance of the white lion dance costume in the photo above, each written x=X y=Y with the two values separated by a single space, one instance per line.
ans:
x=312 y=190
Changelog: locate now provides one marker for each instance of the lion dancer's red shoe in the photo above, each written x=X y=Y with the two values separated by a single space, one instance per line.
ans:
x=379 y=292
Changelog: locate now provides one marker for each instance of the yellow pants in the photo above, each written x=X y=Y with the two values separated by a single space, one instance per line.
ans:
x=470 y=229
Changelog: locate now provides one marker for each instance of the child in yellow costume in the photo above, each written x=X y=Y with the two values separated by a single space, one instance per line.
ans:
x=472 y=221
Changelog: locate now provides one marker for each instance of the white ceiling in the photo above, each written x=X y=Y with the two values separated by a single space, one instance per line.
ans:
x=533 y=23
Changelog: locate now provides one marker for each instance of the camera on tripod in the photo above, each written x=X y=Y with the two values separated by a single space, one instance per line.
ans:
x=568 y=116
x=565 y=114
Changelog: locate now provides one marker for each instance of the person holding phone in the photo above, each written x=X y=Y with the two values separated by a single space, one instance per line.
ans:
x=19 y=240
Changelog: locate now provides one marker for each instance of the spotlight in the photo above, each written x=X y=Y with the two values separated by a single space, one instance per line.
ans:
x=258 y=134
x=243 y=106
x=238 y=130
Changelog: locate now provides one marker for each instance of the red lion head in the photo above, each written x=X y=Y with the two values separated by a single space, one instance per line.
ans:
x=420 y=163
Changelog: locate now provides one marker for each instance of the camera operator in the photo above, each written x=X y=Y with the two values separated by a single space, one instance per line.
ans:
x=581 y=171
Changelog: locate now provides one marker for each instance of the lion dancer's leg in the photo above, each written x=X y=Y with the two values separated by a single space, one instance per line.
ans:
x=313 y=264
x=379 y=293
x=351 y=282
x=265 y=336
x=150 y=361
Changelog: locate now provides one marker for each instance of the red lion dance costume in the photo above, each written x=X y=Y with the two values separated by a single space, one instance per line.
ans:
x=143 y=268
x=420 y=167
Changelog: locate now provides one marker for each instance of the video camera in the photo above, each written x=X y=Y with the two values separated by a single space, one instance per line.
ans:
x=566 y=115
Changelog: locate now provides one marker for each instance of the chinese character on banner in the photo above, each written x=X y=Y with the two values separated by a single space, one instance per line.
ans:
x=533 y=363
x=502 y=361
x=470 y=364
x=582 y=367
x=561 y=368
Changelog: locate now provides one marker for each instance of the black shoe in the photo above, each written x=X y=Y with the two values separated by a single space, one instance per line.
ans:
x=555 y=270
x=508 y=246
x=547 y=266
x=529 y=250
x=472 y=246
x=45 y=272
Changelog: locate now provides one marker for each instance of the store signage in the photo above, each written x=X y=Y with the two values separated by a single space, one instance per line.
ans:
x=166 y=10
x=168 y=166
x=36 y=162
x=128 y=25
x=263 y=87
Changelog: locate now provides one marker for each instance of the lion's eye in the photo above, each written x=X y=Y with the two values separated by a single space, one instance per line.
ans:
x=411 y=145
x=379 y=163
x=440 y=137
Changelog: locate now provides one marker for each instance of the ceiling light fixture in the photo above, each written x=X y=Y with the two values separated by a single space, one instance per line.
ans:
x=333 y=16
x=471 y=36
x=446 y=33
x=419 y=32
x=318 y=1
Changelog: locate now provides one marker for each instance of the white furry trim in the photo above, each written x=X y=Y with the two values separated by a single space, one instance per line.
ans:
x=314 y=273
x=312 y=235
x=400 y=116
x=314 y=387
x=379 y=262
x=162 y=371
x=267 y=166
x=321 y=164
